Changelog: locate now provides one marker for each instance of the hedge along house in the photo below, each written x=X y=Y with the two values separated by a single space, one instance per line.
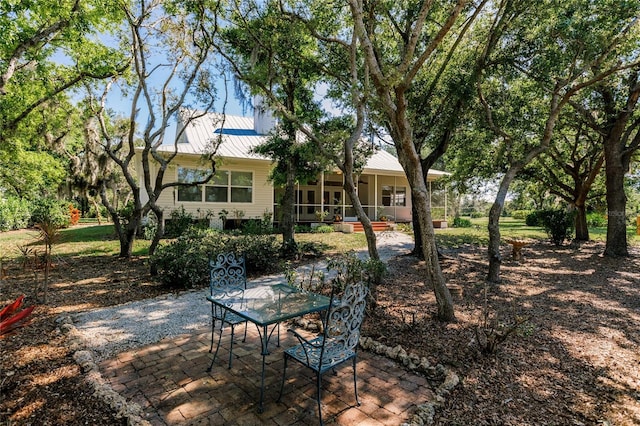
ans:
x=242 y=188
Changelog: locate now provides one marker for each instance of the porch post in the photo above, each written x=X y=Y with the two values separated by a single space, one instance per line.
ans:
x=393 y=200
x=297 y=203
x=375 y=196
x=445 y=202
x=343 y=200
x=322 y=191
x=430 y=201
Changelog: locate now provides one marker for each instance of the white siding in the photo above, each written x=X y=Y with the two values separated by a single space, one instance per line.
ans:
x=262 y=189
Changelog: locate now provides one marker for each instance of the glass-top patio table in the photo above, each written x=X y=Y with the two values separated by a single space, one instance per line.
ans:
x=269 y=305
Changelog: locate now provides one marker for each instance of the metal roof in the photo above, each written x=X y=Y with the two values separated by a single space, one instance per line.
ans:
x=239 y=137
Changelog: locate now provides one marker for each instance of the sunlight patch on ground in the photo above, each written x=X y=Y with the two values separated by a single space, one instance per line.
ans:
x=34 y=354
x=21 y=415
x=50 y=377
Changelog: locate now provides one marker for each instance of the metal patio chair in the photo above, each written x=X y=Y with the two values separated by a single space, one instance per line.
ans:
x=226 y=273
x=337 y=344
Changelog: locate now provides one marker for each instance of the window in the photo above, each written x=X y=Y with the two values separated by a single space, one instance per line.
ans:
x=229 y=186
x=190 y=193
x=216 y=190
x=394 y=196
x=241 y=187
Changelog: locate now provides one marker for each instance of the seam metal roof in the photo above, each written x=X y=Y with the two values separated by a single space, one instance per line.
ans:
x=239 y=137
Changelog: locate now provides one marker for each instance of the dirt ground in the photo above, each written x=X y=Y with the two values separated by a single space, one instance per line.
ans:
x=574 y=358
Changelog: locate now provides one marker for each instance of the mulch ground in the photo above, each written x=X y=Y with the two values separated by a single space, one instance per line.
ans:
x=573 y=358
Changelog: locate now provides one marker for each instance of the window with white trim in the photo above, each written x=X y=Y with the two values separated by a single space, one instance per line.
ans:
x=230 y=186
x=190 y=193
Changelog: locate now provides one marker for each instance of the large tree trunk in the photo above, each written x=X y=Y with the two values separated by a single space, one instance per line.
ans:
x=430 y=252
x=616 y=203
x=287 y=222
x=617 y=155
x=350 y=189
x=495 y=257
x=410 y=161
x=582 y=230
x=153 y=268
x=417 y=232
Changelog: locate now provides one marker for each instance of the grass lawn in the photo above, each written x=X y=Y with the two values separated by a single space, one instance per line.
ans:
x=97 y=240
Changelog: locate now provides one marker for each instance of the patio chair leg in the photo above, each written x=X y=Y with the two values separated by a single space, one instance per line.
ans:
x=355 y=385
x=284 y=373
x=319 y=379
x=217 y=346
x=213 y=328
x=231 y=346
x=246 y=325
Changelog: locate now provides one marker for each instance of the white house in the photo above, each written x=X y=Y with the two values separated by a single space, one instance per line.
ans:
x=241 y=185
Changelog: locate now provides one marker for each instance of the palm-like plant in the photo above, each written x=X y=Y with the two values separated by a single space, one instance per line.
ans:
x=11 y=319
x=48 y=234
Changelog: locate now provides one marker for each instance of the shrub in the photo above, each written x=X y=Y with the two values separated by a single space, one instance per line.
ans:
x=349 y=268
x=257 y=227
x=14 y=213
x=323 y=229
x=309 y=249
x=558 y=223
x=51 y=212
x=149 y=227
x=533 y=218
x=459 y=222
x=302 y=229
x=184 y=261
x=476 y=215
x=520 y=214
x=179 y=221
x=596 y=220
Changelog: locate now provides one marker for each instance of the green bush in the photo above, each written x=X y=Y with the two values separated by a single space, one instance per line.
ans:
x=596 y=220
x=179 y=221
x=558 y=223
x=185 y=261
x=459 y=222
x=51 y=212
x=520 y=214
x=14 y=213
x=323 y=229
x=257 y=227
x=349 y=268
x=477 y=215
x=533 y=218
x=302 y=229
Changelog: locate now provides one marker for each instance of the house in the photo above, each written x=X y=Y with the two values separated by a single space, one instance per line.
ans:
x=242 y=188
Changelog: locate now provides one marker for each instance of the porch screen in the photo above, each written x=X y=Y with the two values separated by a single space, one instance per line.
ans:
x=394 y=196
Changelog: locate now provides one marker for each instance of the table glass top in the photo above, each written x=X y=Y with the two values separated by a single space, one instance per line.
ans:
x=270 y=304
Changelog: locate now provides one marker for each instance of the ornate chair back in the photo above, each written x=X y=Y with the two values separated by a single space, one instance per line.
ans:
x=227 y=271
x=342 y=330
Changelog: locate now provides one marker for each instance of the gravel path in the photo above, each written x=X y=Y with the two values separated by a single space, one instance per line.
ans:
x=111 y=330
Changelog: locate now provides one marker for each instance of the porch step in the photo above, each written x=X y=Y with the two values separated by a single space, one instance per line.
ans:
x=377 y=226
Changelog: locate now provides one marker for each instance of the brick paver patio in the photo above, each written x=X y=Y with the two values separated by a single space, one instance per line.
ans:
x=170 y=382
